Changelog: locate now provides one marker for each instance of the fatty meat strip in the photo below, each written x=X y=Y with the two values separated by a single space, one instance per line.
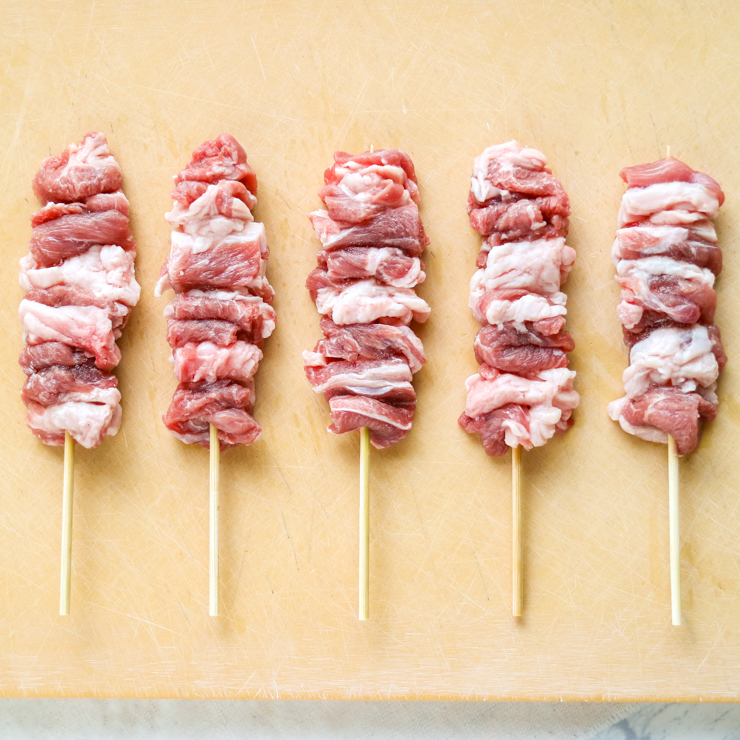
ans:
x=221 y=313
x=667 y=258
x=372 y=239
x=523 y=393
x=80 y=289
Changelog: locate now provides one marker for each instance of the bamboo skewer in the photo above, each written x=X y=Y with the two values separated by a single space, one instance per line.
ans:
x=65 y=586
x=364 y=610
x=673 y=518
x=215 y=454
x=364 y=591
x=516 y=499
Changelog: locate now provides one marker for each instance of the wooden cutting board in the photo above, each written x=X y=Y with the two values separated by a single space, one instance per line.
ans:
x=596 y=86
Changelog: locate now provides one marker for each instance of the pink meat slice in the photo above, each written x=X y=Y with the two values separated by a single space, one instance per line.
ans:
x=666 y=170
x=386 y=380
x=205 y=360
x=225 y=404
x=71 y=295
x=521 y=219
x=491 y=427
x=116 y=201
x=52 y=211
x=86 y=327
x=400 y=228
x=523 y=352
x=222 y=158
x=88 y=423
x=47 y=386
x=388 y=424
x=672 y=411
x=231 y=263
x=683 y=301
x=180 y=333
x=40 y=356
x=72 y=234
x=254 y=320
x=355 y=342
x=387 y=265
x=678 y=243
x=80 y=171
x=359 y=187
x=188 y=191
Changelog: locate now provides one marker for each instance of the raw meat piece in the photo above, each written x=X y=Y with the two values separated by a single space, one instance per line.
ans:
x=489 y=389
x=221 y=159
x=517 y=306
x=673 y=203
x=398 y=227
x=681 y=357
x=254 y=319
x=88 y=423
x=386 y=264
x=225 y=404
x=189 y=191
x=73 y=234
x=524 y=352
x=86 y=327
x=366 y=342
x=82 y=170
x=668 y=170
x=388 y=424
x=107 y=272
x=204 y=360
x=514 y=197
x=538 y=266
x=53 y=211
x=663 y=411
x=213 y=216
x=180 y=333
x=115 y=201
x=680 y=290
x=235 y=261
x=362 y=186
x=365 y=301
x=678 y=243
x=57 y=383
x=386 y=380
x=40 y=356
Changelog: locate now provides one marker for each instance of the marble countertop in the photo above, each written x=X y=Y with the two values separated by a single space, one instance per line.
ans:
x=216 y=720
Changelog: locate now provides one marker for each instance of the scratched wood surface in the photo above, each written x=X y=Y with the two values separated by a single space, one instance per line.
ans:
x=596 y=86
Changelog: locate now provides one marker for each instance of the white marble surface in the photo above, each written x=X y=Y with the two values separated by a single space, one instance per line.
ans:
x=226 y=720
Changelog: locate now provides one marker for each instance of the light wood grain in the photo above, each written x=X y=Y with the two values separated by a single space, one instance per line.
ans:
x=596 y=86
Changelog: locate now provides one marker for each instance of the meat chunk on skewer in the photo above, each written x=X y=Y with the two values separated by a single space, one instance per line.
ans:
x=667 y=258
x=523 y=393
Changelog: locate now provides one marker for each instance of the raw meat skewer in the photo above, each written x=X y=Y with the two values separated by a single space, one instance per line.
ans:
x=523 y=393
x=667 y=258
x=79 y=290
x=221 y=313
x=372 y=239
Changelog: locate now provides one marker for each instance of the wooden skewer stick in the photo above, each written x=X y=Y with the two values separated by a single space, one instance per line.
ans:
x=215 y=450
x=65 y=586
x=364 y=597
x=516 y=490
x=673 y=519
x=364 y=610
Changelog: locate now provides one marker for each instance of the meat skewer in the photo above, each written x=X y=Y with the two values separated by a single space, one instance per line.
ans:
x=372 y=238
x=667 y=259
x=80 y=289
x=221 y=313
x=523 y=393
